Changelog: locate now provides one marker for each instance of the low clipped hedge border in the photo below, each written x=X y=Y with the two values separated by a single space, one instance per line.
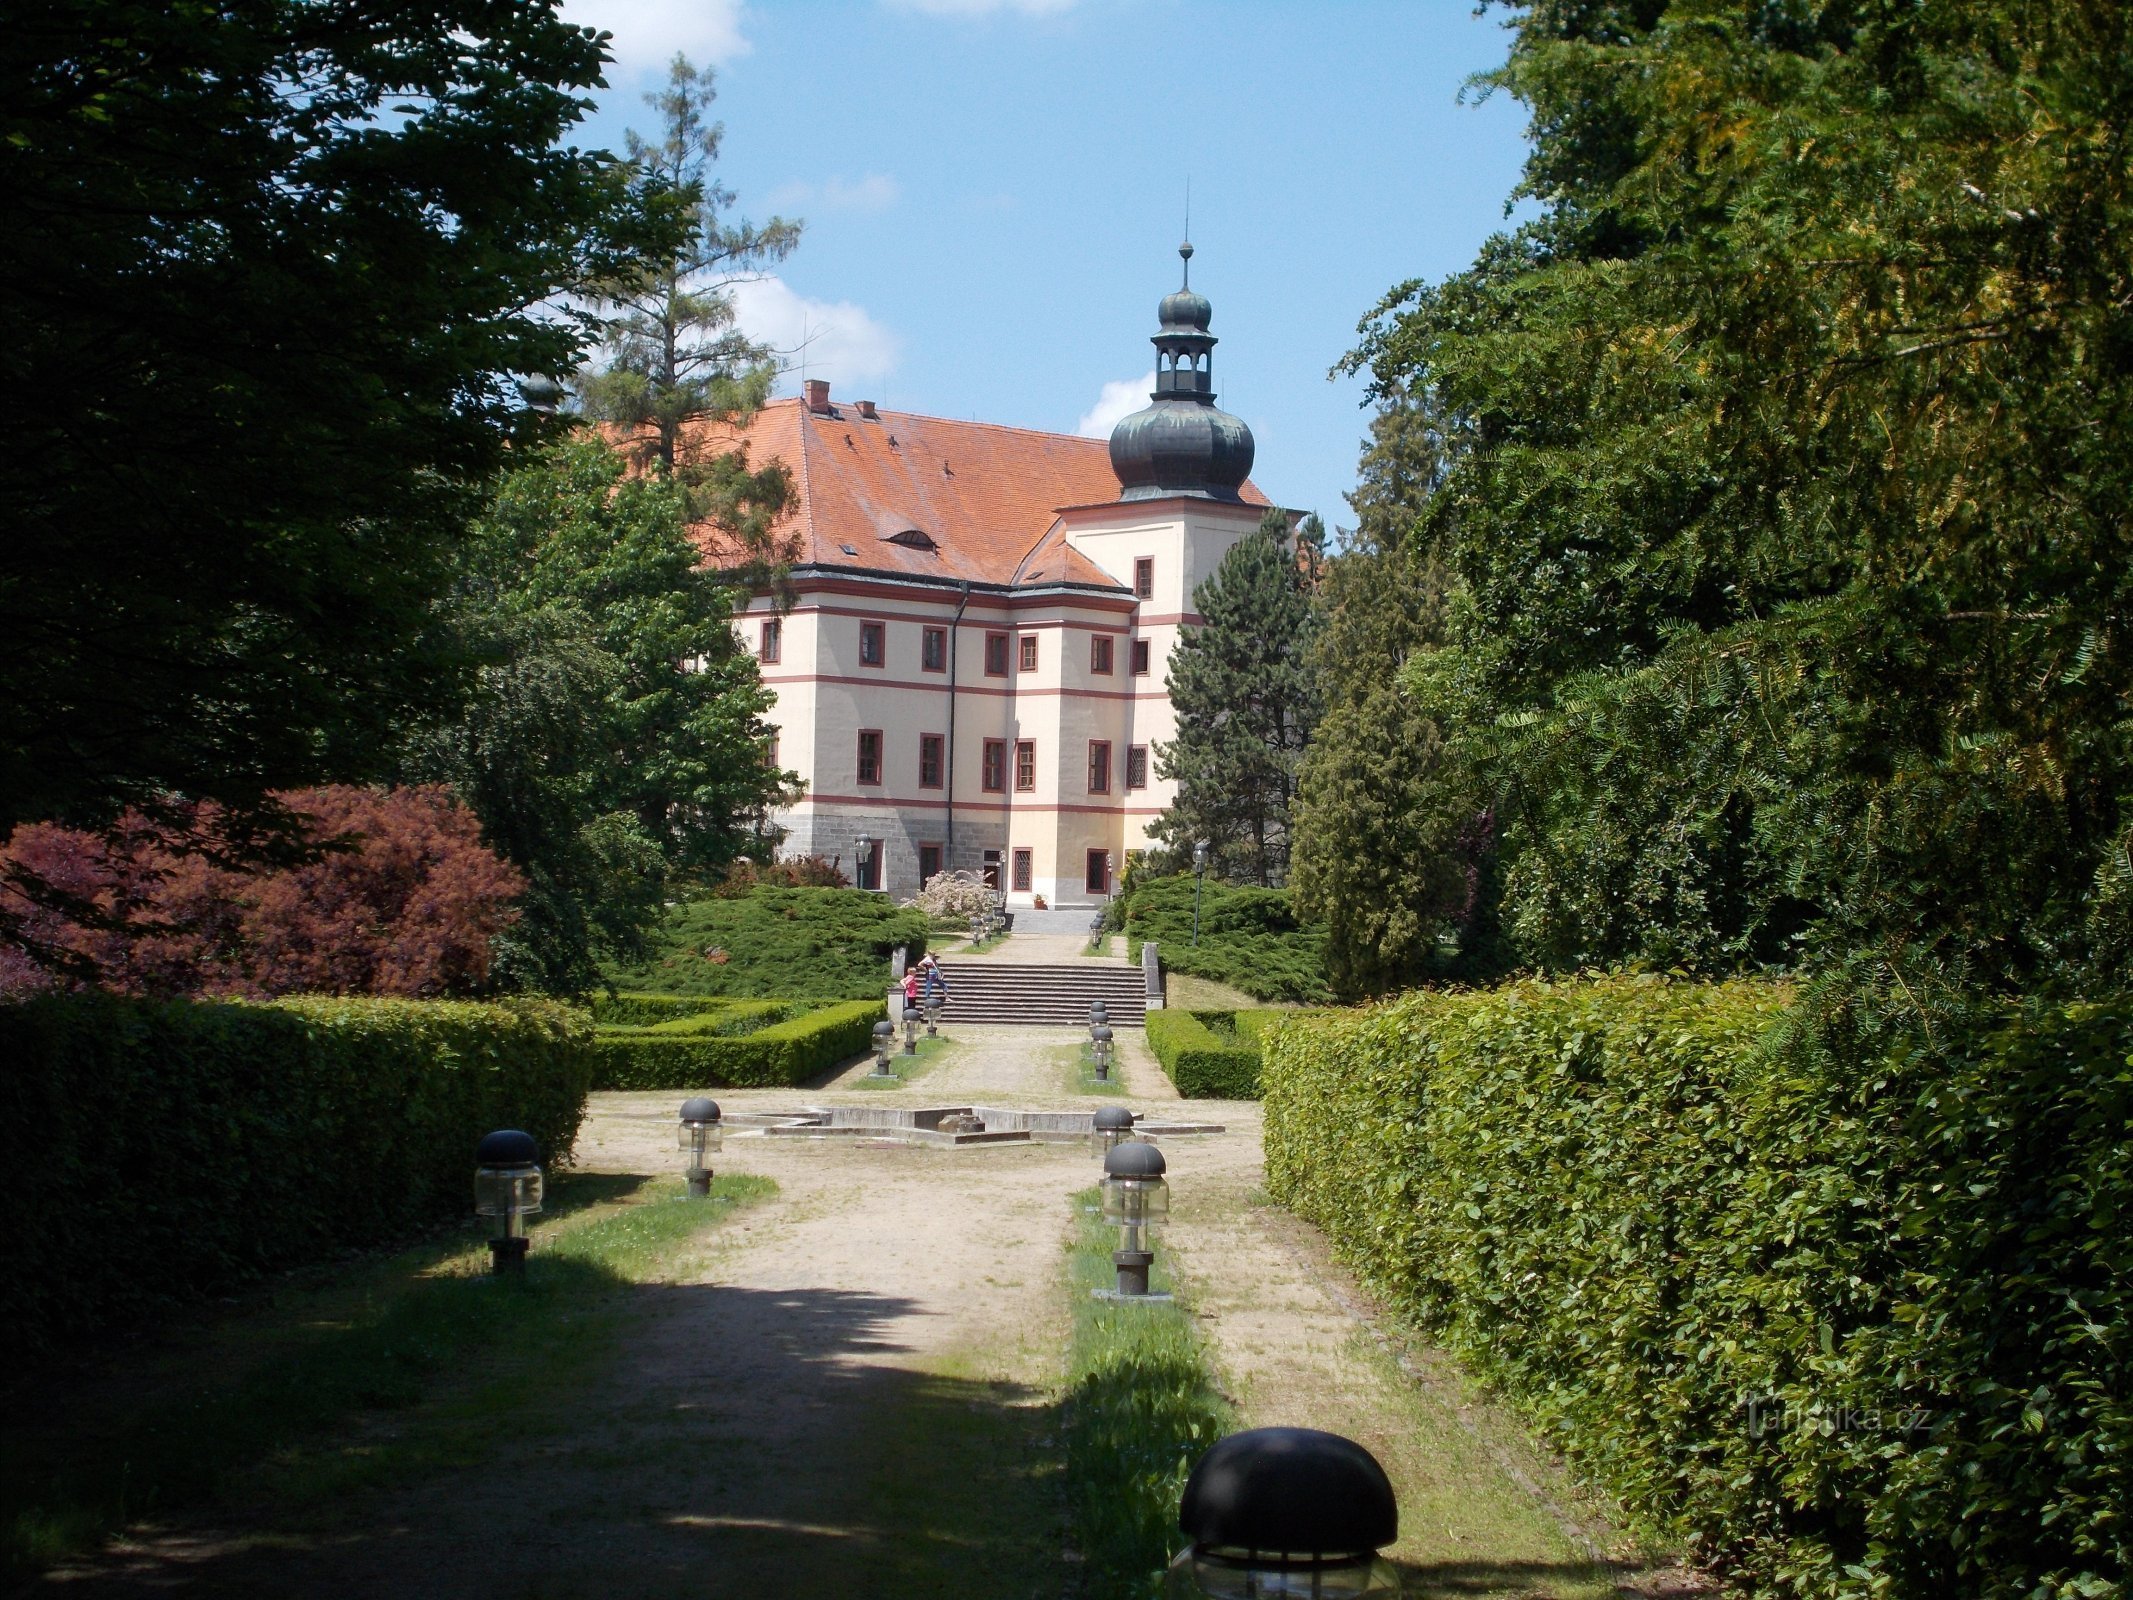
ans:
x=159 y=1151
x=1847 y=1310
x=648 y=1010
x=1205 y=1061
x=783 y=1054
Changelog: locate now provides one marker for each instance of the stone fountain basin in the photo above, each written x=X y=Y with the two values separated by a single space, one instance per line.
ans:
x=922 y=1124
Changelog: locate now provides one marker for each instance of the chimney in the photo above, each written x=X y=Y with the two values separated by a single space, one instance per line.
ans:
x=866 y=409
x=818 y=395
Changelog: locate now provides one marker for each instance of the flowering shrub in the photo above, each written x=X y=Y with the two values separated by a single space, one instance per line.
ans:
x=953 y=897
x=801 y=872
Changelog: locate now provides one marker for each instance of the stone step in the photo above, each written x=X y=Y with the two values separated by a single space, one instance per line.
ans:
x=1057 y=995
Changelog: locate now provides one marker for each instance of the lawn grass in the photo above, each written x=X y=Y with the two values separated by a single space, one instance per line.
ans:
x=973 y=947
x=282 y=1402
x=1141 y=1407
x=907 y=1069
x=1077 y=1069
x=1184 y=992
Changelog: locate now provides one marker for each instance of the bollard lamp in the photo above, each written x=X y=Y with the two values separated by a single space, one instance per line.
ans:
x=932 y=1008
x=1137 y=1199
x=507 y=1186
x=1286 y=1512
x=1100 y=1043
x=700 y=1135
x=1108 y=1126
x=884 y=1036
x=910 y=1030
x=1098 y=1012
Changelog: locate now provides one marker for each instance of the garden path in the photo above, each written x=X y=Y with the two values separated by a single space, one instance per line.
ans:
x=852 y=1390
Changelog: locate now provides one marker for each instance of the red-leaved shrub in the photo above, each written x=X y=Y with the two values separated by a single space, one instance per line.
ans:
x=403 y=902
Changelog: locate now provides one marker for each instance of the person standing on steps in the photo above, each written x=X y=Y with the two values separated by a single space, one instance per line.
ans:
x=910 y=986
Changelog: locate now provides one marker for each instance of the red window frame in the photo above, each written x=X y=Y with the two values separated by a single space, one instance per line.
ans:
x=931 y=752
x=870 y=745
x=995 y=655
x=770 y=751
x=993 y=777
x=879 y=633
x=1141 y=653
x=1136 y=766
x=770 y=642
x=1029 y=653
x=1144 y=577
x=926 y=853
x=870 y=875
x=1096 y=872
x=1099 y=766
x=1100 y=654
x=1025 y=766
x=933 y=650
x=1024 y=871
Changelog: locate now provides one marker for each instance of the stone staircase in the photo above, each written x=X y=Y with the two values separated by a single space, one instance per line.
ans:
x=999 y=991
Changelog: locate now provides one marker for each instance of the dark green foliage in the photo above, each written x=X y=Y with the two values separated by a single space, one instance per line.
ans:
x=807 y=944
x=1204 y=1054
x=163 y=1151
x=648 y=1010
x=684 y=1055
x=268 y=270
x=1250 y=939
x=1141 y=1407
x=1639 y=1206
x=1246 y=703
x=1786 y=491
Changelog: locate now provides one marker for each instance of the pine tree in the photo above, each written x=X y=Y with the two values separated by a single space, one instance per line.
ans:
x=1246 y=704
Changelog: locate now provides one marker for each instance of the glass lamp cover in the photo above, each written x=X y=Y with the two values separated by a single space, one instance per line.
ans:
x=1262 y=1575
x=1131 y=1201
x=699 y=1137
x=507 y=1191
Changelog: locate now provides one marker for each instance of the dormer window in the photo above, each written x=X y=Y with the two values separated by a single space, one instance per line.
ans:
x=914 y=539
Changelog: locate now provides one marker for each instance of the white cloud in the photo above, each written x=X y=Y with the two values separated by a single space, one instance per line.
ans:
x=841 y=342
x=649 y=33
x=1117 y=400
x=982 y=8
x=877 y=191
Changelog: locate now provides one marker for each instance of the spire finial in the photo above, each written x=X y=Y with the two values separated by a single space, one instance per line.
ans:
x=1185 y=249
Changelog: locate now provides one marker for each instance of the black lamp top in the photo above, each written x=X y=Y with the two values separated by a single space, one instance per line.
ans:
x=1294 y=1490
x=1102 y=1030
x=699 y=1109
x=1134 y=1158
x=507 y=1147
x=884 y=1026
x=1112 y=1117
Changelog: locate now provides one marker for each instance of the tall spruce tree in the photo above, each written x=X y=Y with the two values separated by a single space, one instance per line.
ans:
x=1246 y=704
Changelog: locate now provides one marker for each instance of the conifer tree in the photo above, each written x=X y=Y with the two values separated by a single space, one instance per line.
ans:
x=1246 y=704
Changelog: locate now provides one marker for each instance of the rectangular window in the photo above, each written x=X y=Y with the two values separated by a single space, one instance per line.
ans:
x=1099 y=766
x=1025 y=765
x=996 y=655
x=873 y=644
x=770 y=752
x=995 y=775
x=1144 y=577
x=1029 y=652
x=1098 y=878
x=870 y=755
x=866 y=861
x=1136 y=766
x=929 y=760
x=929 y=863
x=933 y=650
x=1023 y=872
x=1140 y=658
x=770 y=643
x=991 y=870
x=1100 y=655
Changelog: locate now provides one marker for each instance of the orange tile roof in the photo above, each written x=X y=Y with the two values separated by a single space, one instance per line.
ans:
x=985 y=494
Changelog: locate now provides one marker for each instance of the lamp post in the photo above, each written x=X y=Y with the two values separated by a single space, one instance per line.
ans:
x=1286 y=1511
x=932 y=1008
x=700 y=1134
x=884 y=1036
x=1199 y=867
x=910 y=1030
x=1100 y=1041
x=507 y=1186
x=863 y=854
x=1109 y=1125
x=1138 y=1200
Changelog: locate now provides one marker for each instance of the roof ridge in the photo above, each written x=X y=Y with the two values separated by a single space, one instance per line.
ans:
x=882 y=413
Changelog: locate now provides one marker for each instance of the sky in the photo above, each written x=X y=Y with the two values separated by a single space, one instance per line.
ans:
x=994 y=192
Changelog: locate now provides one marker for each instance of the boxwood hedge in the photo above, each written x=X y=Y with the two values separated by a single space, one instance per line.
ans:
x=781 y=1054
x=1206 y=1053
x=1846 y=1309
x=157 y=1151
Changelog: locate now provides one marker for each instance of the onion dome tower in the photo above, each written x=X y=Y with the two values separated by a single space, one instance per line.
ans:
x=1183 y=444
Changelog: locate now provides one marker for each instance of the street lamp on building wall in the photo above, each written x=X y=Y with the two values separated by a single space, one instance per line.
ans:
x=863 y=855
x=1199 y=867
x=1286 y=1511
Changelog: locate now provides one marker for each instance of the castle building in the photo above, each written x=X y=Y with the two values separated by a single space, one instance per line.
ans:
x=971 y=652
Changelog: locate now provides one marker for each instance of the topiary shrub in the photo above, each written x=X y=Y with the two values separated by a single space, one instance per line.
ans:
x=1844 y=1307
x=780 y=1055
x=158 y=1151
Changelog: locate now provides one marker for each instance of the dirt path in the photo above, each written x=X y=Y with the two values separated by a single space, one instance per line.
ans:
x=852 y=1389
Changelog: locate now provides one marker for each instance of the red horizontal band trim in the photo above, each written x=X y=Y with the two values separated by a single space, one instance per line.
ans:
x=1191 y=619
x=1033 y=692
x=1091 y=600
x=934 y=619
x=878 y=801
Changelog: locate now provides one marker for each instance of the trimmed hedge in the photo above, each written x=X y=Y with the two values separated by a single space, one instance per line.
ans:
x=1846 y=1310
x=1204 y=1059
x=782 y=1054
x=157 y=1151
x=647 y=1010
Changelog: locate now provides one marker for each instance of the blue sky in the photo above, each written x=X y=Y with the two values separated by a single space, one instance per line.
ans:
x=994 y=191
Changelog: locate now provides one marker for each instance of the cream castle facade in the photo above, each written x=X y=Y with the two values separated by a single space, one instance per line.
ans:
x=970 y=654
